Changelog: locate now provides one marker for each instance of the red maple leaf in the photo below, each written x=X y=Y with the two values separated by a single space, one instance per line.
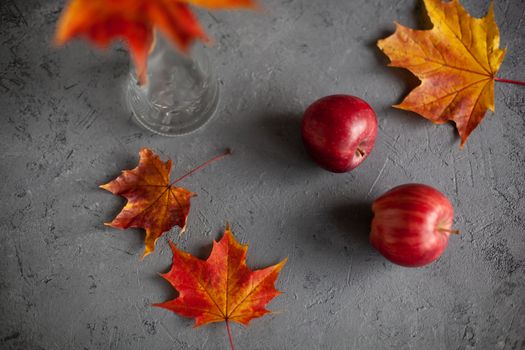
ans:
x=221 y=288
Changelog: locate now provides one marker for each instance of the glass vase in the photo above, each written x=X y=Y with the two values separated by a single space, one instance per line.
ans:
x=181 y=93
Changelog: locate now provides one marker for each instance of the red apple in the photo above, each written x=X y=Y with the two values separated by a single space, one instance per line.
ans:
x=339 y=132
x=412 y=224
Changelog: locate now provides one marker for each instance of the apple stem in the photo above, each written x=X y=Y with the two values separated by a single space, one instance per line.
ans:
x=229 y=334
x=360 y=152
x=508 y=81
x=454 y=232
x=220 y=156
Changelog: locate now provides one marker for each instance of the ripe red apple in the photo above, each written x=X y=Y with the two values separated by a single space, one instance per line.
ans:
x=412 y=224
x=339 y=132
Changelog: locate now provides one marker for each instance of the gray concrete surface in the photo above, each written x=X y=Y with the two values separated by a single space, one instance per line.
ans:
x=68 y=282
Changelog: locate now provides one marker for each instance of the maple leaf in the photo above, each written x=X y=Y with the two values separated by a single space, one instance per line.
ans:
x=100 y=21
x=154 y=203
x=456 y=61
x=221 y=288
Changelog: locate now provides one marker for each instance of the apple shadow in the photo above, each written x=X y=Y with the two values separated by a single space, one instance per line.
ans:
x=345 y=238
x=282 y=131
x=353 y=221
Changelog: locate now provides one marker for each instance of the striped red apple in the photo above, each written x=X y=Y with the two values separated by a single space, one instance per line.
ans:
x=412 y=224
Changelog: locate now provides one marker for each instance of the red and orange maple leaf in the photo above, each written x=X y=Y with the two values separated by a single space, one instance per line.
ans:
x=221 y=288
x=154 y=203
x=101 y=21
x=456 y=61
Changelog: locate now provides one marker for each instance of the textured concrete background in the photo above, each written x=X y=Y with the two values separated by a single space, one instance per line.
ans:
x=68 y=282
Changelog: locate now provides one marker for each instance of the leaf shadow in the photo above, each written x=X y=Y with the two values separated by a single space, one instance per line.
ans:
x=422 y=22
x=121 y=161
x=382 y=60
x=421 y=16
x=124 y=161
x=400 y=74
x=166 y=290
x=204 y=251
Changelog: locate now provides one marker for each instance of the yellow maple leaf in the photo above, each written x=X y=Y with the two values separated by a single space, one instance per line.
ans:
x=456 y=61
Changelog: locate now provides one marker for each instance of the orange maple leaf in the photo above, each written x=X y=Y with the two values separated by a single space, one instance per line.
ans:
x=154 y=203
x=101 y=21
x=221 y=288
x=456 y=61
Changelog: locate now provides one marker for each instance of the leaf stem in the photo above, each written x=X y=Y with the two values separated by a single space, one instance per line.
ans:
x=229 y=333
x=220 y=156
x=508 y=81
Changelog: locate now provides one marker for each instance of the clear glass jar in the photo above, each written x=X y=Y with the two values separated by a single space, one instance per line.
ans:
x=181 y=93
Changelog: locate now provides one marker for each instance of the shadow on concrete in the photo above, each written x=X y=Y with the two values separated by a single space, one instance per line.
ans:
x=354 y=219
x=411 y=82
x=282 y=131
